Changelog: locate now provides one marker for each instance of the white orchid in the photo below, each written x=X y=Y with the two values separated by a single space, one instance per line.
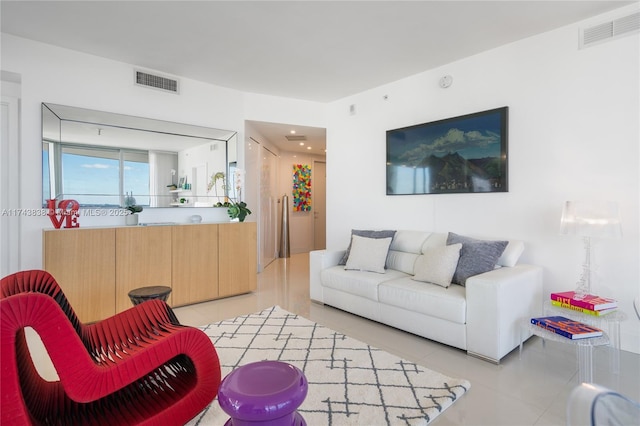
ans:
x=238 y=178
x=213 y=182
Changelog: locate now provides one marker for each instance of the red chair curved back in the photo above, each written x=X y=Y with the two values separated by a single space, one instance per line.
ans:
x=140 y=366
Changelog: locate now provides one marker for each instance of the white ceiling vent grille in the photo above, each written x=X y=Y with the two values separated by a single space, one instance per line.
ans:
x=296 y=138
x=156 y=82
x=610 y=30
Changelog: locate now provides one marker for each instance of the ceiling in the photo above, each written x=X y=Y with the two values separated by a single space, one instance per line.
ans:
x=313 y=50
x=304 y=139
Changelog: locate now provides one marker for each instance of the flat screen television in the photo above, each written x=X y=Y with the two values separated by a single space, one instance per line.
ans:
x=464 y=154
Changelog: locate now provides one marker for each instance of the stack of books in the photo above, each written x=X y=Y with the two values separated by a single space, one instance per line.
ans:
x=566 y=327
x=590 y=304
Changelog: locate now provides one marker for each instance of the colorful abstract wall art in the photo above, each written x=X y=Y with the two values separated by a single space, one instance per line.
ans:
x=301 y=188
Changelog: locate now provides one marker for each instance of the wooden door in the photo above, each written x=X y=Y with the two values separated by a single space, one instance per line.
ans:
x=83 y=263
x=143 y=258
x=194 y=261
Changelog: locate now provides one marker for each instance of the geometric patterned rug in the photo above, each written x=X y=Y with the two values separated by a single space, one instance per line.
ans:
x=350 y=382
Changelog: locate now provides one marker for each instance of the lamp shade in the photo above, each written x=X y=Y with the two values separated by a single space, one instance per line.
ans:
x=599 y=219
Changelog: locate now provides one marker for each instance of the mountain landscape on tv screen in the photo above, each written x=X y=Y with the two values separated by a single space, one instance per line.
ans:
x=454 y=173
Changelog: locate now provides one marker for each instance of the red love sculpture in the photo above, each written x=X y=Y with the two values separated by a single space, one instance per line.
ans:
x=69 y=211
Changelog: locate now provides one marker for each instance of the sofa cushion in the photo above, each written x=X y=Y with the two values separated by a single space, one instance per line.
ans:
x=476 y=256
x=435 y=240
x=438 y=265
x=409 y=241
x=401 y=261
x=368 y=254
x=363 y=284
x=405 y=249
x=511 y=253
x=428 y=299
x=367 y=234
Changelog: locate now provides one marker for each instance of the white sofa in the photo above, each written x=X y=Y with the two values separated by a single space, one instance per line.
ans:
x=484 y=317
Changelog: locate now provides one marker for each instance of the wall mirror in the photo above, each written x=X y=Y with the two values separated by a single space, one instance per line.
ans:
x=103 y=159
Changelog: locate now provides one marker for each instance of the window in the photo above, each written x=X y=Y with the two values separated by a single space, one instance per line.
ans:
x=97 y=177
x=136 y=175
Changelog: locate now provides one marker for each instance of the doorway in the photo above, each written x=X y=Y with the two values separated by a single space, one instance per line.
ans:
x=269 y=153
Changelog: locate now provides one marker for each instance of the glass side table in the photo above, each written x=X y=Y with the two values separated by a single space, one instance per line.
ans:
x=609 y=323
x=584 y=347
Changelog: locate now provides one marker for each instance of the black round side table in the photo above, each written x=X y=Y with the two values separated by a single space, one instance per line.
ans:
x=142 y=294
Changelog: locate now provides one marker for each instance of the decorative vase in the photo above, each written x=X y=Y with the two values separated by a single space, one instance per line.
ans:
x=131 y=219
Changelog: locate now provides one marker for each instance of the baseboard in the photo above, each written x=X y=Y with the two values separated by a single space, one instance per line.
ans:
x=484 y=358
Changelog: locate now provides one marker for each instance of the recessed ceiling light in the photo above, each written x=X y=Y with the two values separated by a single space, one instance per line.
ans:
x=308 y=147
x=293 y=132
x=301 y=143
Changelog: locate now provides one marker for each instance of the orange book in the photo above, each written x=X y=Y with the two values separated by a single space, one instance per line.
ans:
x=583 y=310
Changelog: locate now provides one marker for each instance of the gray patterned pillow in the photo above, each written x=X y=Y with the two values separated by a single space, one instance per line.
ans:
x=366 y=234
x=476 y=256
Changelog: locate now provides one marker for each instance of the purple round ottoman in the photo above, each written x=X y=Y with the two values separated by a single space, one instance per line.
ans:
x=265 y=393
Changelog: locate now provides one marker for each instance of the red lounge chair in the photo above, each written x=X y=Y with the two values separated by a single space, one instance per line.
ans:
x=138 y=367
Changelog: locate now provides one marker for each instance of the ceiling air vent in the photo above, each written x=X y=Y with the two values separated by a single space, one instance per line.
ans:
x=296 y=138
x=156 y=82
x=610 y=30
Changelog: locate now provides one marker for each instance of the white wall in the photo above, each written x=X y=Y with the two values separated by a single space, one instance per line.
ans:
x=51 y=74
x=284 y=110
x=62 y=76
x=573 y=134
x=9 y=173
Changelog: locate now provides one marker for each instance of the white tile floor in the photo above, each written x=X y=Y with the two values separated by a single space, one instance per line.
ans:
x=531 y=390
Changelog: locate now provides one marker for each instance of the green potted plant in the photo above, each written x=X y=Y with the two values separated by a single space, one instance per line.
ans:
x=132 y=217
x=238 y=211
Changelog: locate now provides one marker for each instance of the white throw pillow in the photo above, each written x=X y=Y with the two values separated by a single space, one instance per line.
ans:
x=437 y=265
x=368 y=254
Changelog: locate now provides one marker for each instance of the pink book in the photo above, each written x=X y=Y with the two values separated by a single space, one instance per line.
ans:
x=590 y=301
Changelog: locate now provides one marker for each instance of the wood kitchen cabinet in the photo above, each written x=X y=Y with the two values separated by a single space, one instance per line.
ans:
x=194 y=265
x=96 y=268
x=83 y=262
x=237 y=258
x=143 y=258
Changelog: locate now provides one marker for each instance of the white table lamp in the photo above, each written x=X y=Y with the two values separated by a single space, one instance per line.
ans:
x=590 y=219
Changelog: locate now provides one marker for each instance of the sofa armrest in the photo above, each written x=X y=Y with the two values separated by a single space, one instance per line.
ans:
x=319 y=260
x=498 y=301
